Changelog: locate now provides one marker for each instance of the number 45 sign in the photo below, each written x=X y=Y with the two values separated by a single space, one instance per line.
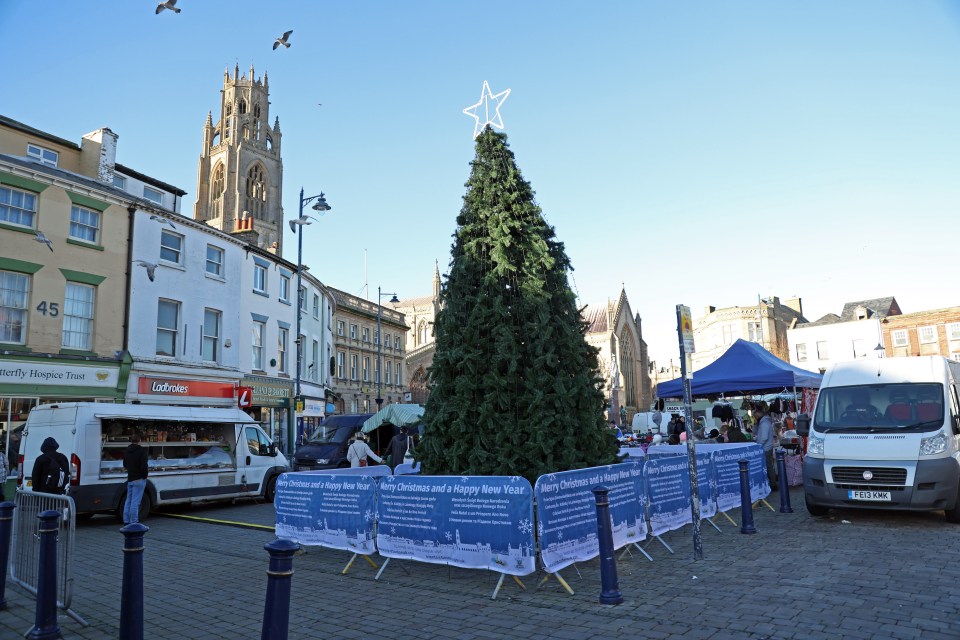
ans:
x=49 y=307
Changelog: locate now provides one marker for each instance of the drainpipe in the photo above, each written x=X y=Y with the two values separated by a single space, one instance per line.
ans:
x=126 y=307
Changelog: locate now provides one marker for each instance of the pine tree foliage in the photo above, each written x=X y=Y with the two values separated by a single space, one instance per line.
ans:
x=514 y=387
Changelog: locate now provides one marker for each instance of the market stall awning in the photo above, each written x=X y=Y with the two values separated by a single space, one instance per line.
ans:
x=395 y=414
x=745 y=368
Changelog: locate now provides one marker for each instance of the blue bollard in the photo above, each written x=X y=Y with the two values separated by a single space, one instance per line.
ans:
x=131 y=594
x=746 y=507
x=782 y=481
x=6 y=525
x=276 y=611
x=610 y=587
x=45 y=625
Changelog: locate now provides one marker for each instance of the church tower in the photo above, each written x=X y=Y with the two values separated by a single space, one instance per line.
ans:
x=240 y=174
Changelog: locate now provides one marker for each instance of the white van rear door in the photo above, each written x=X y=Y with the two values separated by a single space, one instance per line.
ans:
x=57 y=423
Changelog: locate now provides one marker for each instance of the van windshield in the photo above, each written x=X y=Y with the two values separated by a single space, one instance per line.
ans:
x=888 y=407
x=326 y=435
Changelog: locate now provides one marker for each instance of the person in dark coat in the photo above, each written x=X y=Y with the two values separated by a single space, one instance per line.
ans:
x=51 y=470
x=398 y=447
x=135 y=461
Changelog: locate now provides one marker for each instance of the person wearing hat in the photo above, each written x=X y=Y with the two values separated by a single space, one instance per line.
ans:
x=359 y=451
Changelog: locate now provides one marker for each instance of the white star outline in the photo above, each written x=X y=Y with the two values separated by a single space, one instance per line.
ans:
x=486 y=95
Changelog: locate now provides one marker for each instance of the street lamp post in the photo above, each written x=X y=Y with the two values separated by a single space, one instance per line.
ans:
x=394 y=299
x=297 y=227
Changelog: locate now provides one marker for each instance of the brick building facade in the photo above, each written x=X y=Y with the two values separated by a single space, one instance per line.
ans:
x=924 y=333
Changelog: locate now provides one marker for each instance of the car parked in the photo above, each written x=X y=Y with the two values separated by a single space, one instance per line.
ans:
x=327 y=446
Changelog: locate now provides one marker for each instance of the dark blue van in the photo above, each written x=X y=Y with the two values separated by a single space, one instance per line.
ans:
x=327 y=446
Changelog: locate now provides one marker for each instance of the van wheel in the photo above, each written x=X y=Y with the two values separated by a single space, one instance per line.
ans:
x=270 y=490
x=814 y=509
x=145 y=507
x=953 y=515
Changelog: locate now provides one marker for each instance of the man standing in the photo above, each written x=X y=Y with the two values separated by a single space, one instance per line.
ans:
x=135 y=462
x=51 y=470
x=398 y=447
x=766 y=438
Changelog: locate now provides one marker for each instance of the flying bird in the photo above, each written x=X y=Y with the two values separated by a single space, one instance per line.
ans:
x=44 y=239
x=169 y=4
x=151 y=268
x=162 y=220
x=282 y=40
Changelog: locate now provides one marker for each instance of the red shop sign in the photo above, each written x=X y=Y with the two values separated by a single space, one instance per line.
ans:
x=244 y=397
x=197 y=388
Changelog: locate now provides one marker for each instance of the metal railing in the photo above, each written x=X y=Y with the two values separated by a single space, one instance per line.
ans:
x=25 y=557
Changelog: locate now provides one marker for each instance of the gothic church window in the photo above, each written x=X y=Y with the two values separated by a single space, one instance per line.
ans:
x=256 y=111
x=256 y=191
x=269 y=143
x=226 y=122
x=216 y=192
x=246 y=132
x=422 y=334
x=243 y=106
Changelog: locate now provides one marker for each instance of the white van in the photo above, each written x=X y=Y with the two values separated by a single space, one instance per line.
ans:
x=885 y=434
x=195 y=454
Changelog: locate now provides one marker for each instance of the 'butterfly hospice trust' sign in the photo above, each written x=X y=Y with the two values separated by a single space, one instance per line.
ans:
x=334 y=511
x=567 y=512
x=475 y=522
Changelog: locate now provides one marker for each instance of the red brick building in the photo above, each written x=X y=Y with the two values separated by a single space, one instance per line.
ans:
x=924 y=333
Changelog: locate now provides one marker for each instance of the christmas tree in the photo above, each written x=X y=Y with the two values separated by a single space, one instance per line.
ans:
x=514 y=387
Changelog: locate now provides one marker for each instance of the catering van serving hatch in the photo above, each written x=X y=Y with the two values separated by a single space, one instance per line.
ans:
x=195 y=454
x=885 y=434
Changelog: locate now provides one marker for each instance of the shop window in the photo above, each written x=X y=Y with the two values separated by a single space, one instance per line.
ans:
x=899 y=338
x=171 y=445
x=211 y=335
x=801 y=352
x=927 y=334
x=14 y=298
x=259 y=334
x=78 y=308
x=168 y=319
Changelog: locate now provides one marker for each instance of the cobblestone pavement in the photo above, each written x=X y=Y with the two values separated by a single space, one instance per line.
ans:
x=853 y=574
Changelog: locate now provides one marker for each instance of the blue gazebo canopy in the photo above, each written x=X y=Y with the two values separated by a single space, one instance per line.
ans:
x=745 y=368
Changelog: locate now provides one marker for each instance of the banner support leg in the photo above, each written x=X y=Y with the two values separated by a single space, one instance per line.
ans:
x=499 y=584
x=732 y=521
x=713 y=524
x=640 y=549
x=382 y=567
x=664 y=543
x=349 y=564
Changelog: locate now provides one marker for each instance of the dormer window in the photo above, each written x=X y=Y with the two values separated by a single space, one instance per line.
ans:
x=44 y=156
x=862 y=313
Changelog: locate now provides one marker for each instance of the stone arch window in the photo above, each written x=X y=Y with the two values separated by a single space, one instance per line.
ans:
x=216 y=192
x=256 y=191
x=269 y=143
x=243 y=106
x=422 y=333
x=226 y=122
x=245 y=132
x=256 y=124
x=256 y=111
x=627 y=366
x=216 y=138
x=419 y=391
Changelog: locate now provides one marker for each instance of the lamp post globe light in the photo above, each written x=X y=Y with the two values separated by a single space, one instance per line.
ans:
x=319 y=205
x=394 y=300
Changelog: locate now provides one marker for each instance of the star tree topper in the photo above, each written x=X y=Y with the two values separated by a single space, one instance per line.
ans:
x=483 y=107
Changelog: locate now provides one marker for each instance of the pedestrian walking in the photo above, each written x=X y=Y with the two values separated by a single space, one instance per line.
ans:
x=359 y=451
x=398 y=447
x=135 y=461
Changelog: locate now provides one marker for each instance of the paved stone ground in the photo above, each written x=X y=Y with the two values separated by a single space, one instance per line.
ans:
x=853 y=574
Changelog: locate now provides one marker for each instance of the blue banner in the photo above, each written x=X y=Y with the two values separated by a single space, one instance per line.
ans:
x=727 y=471
x=567 y=512
x=475 y=522
x=759 y=485
x=334 y=511
x=668 y=491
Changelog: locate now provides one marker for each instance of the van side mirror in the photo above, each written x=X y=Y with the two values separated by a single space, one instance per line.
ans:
x=803 y=425
x=272 y=451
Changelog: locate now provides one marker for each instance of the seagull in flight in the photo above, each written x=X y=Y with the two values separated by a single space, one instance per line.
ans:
x=151 y=268
x=282 y=40
x=162 y=220
x=169 y=4
x=44 y=239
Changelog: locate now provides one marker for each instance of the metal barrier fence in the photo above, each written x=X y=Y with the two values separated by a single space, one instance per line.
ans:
x=24 y=561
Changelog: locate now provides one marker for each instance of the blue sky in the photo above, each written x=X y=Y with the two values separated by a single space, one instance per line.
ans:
x=693 y=152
